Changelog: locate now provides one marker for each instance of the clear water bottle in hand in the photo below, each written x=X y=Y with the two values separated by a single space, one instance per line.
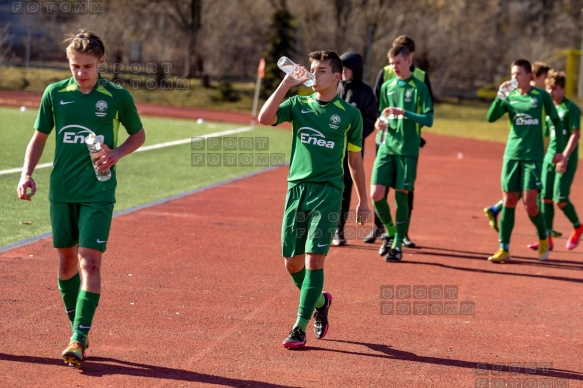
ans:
x=505 y=91
x=95 y=147
x=288 y=66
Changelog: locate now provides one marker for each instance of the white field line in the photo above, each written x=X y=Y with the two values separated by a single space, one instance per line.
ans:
x=151 y=147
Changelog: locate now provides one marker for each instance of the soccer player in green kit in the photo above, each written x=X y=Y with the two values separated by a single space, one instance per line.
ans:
x=527 y=108
x=406 y=102
x=324 y=126
x=540 y=71
x=385 y=74
x=81 y=207
x=557 y=179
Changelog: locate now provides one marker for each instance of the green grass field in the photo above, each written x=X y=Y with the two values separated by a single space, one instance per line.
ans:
x=151 y=175
x=142 y=177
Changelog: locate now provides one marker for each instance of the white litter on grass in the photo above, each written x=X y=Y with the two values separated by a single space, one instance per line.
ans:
x=200 y=121
x=23 y=108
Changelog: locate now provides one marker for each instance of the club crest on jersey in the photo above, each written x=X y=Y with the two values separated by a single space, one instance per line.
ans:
x=311 y=136
x=533 y=102
x=101 y=107
x=408 y=95
x=335 y=120
x=525 y=119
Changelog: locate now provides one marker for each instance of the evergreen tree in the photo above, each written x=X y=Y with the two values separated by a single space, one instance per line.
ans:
x=281 y=42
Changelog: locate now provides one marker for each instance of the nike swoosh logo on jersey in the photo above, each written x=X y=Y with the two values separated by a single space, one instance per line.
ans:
x=514 y=102
x=307 y=111
x=321 y=245
x=66 y=102
x=101 y=241
x=389 y=93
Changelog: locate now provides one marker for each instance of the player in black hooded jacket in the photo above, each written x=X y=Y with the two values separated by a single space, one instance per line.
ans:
x=354 y=91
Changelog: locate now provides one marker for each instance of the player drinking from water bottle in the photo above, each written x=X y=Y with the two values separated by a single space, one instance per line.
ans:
x=323 y=127
x=527 y=108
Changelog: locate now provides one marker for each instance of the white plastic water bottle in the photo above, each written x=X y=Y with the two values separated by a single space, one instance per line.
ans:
x=95 y=147
x=288 y=66
x=504 y=92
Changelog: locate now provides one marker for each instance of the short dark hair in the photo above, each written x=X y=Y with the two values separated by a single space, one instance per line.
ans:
x=556 y=78
x=404 y=40
x=399 y=50
x=327 y=56
x=524 y=64
x=540 y=68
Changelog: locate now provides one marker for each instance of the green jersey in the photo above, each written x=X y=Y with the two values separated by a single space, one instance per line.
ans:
x=570 y=116
x=387 y=74
x=527 y=115
x=321 y=135
x=403 y=134
x=75 y=115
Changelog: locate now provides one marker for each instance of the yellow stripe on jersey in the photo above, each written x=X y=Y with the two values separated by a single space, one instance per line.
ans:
x=339 y=105
x=115 y=128
x=354 y=148
x=103 y=90
x=70 y=88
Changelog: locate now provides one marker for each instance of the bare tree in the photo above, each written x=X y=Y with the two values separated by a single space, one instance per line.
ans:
x=4 y=42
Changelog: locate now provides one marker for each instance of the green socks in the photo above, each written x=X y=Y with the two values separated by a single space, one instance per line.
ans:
x=384 y=213
x=298 y=279
x=548 y=210
x=506 y=226
x=539 y=223
x=310 y=292
x=571 y=214
x=86 y=305
x=401 y=217
x=69 y=292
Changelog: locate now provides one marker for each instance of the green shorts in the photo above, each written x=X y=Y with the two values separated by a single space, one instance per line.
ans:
x=310 y=218
x=396 y=171
x=83 y=224
x=521 y=175
x=558 y=186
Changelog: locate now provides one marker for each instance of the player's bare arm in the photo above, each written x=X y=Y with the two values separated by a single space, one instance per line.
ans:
x=268 y=113
x=31 y=157
x=357 y=173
